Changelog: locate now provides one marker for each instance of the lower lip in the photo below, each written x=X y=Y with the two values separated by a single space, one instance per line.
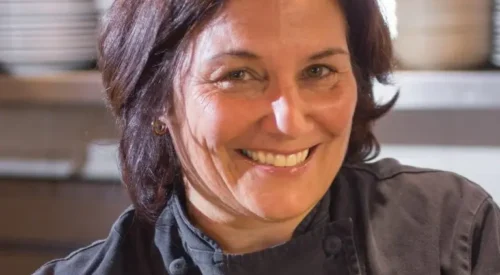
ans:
x=284 y=171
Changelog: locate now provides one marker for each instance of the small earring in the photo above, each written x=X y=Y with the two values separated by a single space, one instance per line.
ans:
x=159 y=127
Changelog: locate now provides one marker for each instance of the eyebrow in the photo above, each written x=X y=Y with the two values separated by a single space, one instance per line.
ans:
x=236 y=53
x=327 y=53
x=244 y=54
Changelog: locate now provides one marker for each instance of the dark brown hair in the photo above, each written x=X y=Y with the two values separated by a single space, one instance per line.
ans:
x=139 y=48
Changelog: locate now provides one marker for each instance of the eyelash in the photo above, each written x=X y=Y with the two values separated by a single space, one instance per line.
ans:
x=228 y=76
x=330 y=71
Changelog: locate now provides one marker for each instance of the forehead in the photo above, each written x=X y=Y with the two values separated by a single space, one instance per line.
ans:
x=267 y=25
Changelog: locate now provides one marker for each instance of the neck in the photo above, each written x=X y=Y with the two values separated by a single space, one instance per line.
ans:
x=238 y=234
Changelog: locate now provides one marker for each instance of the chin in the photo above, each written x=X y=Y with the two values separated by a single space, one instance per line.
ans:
x=274 y=205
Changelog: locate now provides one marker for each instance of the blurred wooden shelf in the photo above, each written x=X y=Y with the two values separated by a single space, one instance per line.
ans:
x=443 y=90
x=81 y=88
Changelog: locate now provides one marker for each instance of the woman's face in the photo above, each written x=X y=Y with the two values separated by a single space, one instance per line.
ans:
x=264 y=106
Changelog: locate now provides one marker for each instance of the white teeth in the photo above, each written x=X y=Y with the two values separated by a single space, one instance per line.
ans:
x=303 y=155
x=262 y=157
x=269 y=158
x=291 y=160
x=253 y=155
x=278 y=160
x=299 y=157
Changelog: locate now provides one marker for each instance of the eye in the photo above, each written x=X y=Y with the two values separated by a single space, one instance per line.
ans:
x=238 y=75
x=317 y=71
x=244 y=81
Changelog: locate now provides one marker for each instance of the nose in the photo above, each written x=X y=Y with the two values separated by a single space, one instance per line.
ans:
x=290 y=115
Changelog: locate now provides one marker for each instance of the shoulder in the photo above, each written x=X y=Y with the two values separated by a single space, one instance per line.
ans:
x=98 y=257
x=433 y=186
x=451 y=218
x=420 y=199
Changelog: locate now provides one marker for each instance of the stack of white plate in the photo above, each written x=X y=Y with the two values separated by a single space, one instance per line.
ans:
x=43 y=36
x=495 y=58
x=444 y=34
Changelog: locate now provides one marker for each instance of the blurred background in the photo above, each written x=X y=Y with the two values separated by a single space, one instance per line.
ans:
x=59 y=179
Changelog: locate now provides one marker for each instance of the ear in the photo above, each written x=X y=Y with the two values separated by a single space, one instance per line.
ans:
x=169 y=117
x=173 y=113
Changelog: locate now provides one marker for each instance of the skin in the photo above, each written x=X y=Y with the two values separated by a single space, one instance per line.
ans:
x=263 y=75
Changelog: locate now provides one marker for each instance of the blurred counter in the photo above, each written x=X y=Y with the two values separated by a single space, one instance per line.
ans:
x=45 y=220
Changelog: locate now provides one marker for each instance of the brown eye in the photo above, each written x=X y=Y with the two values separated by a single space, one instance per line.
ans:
x=238 y=75
x=317 y=71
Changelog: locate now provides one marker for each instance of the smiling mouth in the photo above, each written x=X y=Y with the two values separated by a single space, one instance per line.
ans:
x=278 y=160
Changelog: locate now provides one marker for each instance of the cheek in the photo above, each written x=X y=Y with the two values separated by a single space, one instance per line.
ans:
x=336 y=117
x=215 y=120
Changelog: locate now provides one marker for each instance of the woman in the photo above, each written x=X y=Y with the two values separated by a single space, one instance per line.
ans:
x=246 y=131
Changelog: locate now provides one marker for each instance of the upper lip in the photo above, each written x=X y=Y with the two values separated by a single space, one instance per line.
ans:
x=279 y=151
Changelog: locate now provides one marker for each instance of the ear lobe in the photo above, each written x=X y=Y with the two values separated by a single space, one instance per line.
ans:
x=164 y=118
x=169 y=119
x=159 y=127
